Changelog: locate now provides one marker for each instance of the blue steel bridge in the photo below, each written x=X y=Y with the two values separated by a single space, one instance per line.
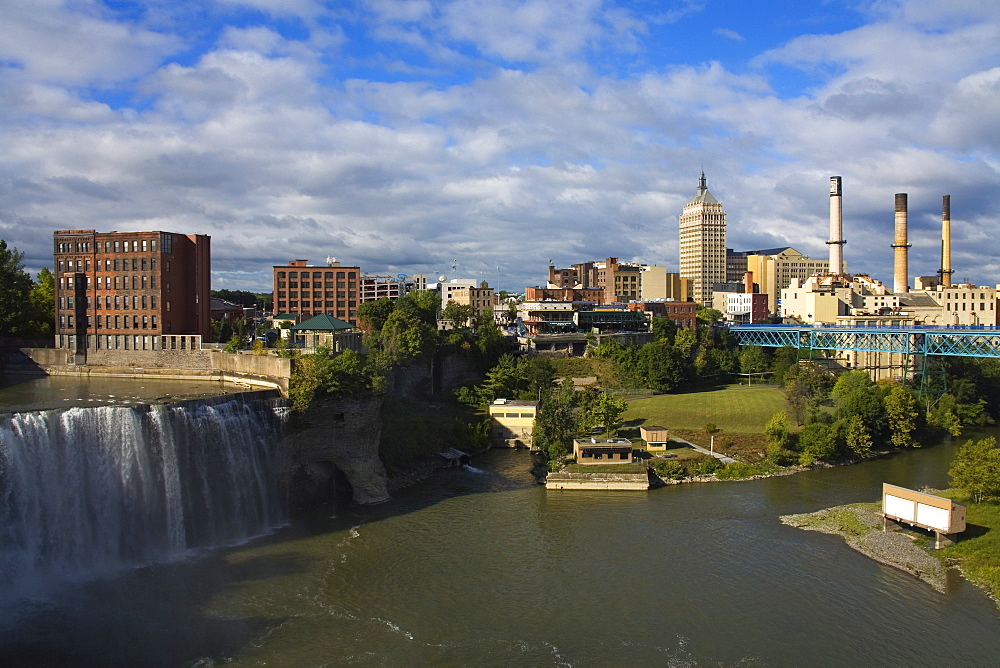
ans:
x=959 y=341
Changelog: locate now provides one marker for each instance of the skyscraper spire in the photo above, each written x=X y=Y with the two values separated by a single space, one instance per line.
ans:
x=703 y=243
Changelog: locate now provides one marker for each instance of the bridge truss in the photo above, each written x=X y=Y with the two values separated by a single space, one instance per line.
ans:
x=926 y=341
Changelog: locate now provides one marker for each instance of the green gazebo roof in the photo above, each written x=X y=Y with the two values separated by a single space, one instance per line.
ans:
x=322 y=323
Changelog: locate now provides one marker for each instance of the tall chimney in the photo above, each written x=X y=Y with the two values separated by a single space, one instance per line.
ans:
x=748 y=282
x=946 y=241
x=900 y=248
x=836 y=243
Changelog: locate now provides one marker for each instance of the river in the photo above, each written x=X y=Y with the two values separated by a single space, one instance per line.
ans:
x=484 y=567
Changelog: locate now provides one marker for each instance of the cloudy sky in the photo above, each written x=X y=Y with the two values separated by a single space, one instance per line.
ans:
x=411 y=136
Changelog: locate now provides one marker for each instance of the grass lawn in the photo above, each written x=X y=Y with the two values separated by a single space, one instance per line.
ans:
x=978 y=548
x=732 y=409
x=739 y=411
x=681 y=453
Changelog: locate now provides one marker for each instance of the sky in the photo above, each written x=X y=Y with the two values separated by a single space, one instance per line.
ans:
x=485 y=138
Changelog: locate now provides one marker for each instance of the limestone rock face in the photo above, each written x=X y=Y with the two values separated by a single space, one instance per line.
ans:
x=337 y=435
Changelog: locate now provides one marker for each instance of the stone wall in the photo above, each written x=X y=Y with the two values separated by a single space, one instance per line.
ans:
x=337 y=435
x=618 y=481
x=151 y=359
x=255 y=370
x=255 y=365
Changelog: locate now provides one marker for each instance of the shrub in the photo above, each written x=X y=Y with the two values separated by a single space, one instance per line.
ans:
x=669 y=468
x=743 y=470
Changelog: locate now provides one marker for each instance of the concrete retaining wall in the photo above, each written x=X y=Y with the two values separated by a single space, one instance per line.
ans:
x=622 y=481
x=209 y=365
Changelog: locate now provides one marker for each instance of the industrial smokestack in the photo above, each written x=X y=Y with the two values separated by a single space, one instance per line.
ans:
x=748 y=282
x=900 y=248
x=836 y=243
x=946 y=241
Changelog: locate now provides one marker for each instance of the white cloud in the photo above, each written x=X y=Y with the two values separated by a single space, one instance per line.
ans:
x=729 y=34
x=282 y=148
x=76 y=44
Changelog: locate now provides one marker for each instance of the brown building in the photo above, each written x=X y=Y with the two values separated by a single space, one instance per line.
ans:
x=684 y=314
x=602 y=450
x=480 y=299
x=125 y=290
x=307 y=290
x=595 y=295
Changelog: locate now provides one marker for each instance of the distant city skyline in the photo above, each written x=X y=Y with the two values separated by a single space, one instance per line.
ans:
x=414 y=137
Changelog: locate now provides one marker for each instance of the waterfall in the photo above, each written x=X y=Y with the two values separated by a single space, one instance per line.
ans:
x=85 y=492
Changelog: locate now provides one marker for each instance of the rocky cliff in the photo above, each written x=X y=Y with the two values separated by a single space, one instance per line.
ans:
x=333 y=451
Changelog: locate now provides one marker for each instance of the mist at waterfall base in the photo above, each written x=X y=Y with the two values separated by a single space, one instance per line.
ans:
x=91 y=492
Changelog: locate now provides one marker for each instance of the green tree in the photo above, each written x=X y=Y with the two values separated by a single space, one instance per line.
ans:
x=15 y=288
x=322 y=375
x=851 y=381
x=817 y=441
x=424 y=305
x=372 y=315
x=901 y=414
x=943 y=414
x=661 y=365
x=778 y=430
x=556 y=424
x=490 y=341
x=864 y=402
x=663 y=328
x=462 y=315
x=784 y=359
x=859 y=440
x=42 y=300
x=976 y=469
x=807 y=385
x=404 y=337
x=606 y=411
x=685 y=343
x=708 y=316
x=753 y=359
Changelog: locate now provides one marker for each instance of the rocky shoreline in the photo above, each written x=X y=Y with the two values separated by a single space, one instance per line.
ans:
x=860 y=524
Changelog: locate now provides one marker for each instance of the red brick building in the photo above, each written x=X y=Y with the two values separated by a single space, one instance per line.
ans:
x=595 y=295
x=126 y=290
x=308 y=290
x=684 y=314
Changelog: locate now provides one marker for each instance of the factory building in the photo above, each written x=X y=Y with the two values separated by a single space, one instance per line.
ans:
x=131 y=290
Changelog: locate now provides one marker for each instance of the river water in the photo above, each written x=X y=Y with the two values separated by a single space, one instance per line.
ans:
x=482 y=566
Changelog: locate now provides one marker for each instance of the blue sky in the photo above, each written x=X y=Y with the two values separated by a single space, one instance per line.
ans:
x=411 y=136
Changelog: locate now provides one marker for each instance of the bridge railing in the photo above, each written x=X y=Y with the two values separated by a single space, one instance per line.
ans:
x=953 y=340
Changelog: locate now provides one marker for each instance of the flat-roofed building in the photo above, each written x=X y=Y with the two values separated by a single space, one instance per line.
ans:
x=684 y=314
x=656 y=438
x=774 y=269
x=513 y=422
x=479 y=298
x=127 y=290
x=309 y=290
x=602 y=450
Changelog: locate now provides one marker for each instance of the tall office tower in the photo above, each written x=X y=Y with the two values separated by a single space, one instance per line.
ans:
x=703 y=243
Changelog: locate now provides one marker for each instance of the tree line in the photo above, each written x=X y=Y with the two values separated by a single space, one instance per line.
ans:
x=27 y=306
x=396 y=333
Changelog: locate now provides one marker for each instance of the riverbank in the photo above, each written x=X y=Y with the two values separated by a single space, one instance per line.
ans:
x=860 y=525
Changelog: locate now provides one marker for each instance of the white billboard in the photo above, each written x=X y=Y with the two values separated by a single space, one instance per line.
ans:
x=901 y=508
